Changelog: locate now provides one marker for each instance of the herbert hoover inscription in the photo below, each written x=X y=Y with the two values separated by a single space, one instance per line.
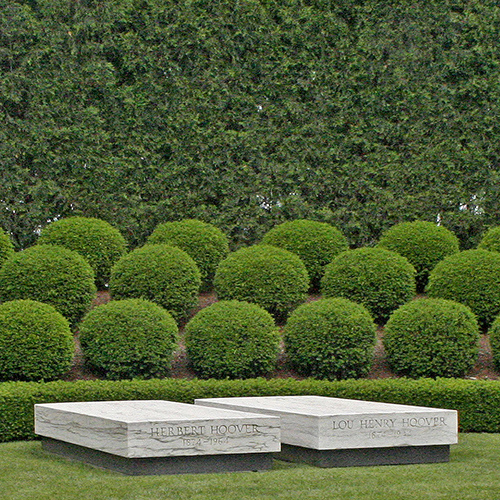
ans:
x=149 y=437
x=337 y=432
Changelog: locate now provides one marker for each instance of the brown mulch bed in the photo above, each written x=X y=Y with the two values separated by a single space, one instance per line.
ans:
x=484 y=368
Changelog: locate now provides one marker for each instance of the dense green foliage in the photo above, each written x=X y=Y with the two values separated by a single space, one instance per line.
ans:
x=330 y=338
x=129 y=338
x=162 y=274
x=36 y=342
x=205 y=243
x=247 y=114
x=472 y=278
x=379 y=279
x=232 y=339
x=6 y=247
x=316 y=243
x=477 y=401
x=432 y=338
x=494 y=334
x=491 y=240
x=98 y=241
x=51 y=274
x=271 y=277
x=423 y=243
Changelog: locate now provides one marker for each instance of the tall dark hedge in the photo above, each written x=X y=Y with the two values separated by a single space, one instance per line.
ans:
x=246 y=114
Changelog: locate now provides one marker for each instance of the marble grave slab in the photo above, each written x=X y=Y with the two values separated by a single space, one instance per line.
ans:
x=158 y=437
x=333 y=432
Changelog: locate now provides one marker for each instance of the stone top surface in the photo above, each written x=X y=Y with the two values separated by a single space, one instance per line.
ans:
x=140 y=429
x=143 y=411
x=325 y=423
x=317 y=406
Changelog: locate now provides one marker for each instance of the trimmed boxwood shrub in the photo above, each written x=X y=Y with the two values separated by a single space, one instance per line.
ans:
x=423 y=243
x=96 y=240
x=491 y=240
x=36 y=342
x=50 y=274
x=494 y=334
x=129 y=338
x=162 y=274
x=271 y=277
x=6 y=247
x=232 y=339
x=205 y=243
x=379 y=279
x=471 y=277
x=330 y=338
x=316 y=243
x=432 y=338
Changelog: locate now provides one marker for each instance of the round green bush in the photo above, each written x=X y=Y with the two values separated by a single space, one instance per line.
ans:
x=6 y=247
x=50 y=274
x=379 y=279
x=330 y=339
x=471 y=277
x=36 y=342
x=271 y=277
x=423 y=243
x=491 y=240
x=494 y=334
x=205 y=243
x=94 y=239
x=232 y=339
x=316 y=243
x=162 y=274
x=129 y=338
x=432 y=338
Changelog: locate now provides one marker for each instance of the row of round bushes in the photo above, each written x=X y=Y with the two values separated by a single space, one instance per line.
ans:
x=182 y=257
x=329 y=338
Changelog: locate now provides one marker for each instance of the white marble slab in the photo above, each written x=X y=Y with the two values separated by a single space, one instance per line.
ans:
x=323 y=423
x=139 y=429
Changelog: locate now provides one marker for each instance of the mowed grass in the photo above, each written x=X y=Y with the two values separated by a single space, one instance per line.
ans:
x=27 y=472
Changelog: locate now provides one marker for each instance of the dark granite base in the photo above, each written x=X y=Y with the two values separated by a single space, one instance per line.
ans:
x=366 y=456
x=198 y=464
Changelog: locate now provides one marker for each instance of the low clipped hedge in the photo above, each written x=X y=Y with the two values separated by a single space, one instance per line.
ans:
x=316 y=243
x=379 y=279
x=36 y=342
x=423 y=243
x=50 y=274
x=162 y=274
x=96 y=240
x=129 y=338
x=6 y=247
x=271 y=277
x=204 y=242
x=232 y=339
x=477 y=401
x=432 y=338
x=330 y=338
x=471 y=277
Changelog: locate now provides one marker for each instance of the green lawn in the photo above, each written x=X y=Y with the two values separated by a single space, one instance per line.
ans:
x=27 y=472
